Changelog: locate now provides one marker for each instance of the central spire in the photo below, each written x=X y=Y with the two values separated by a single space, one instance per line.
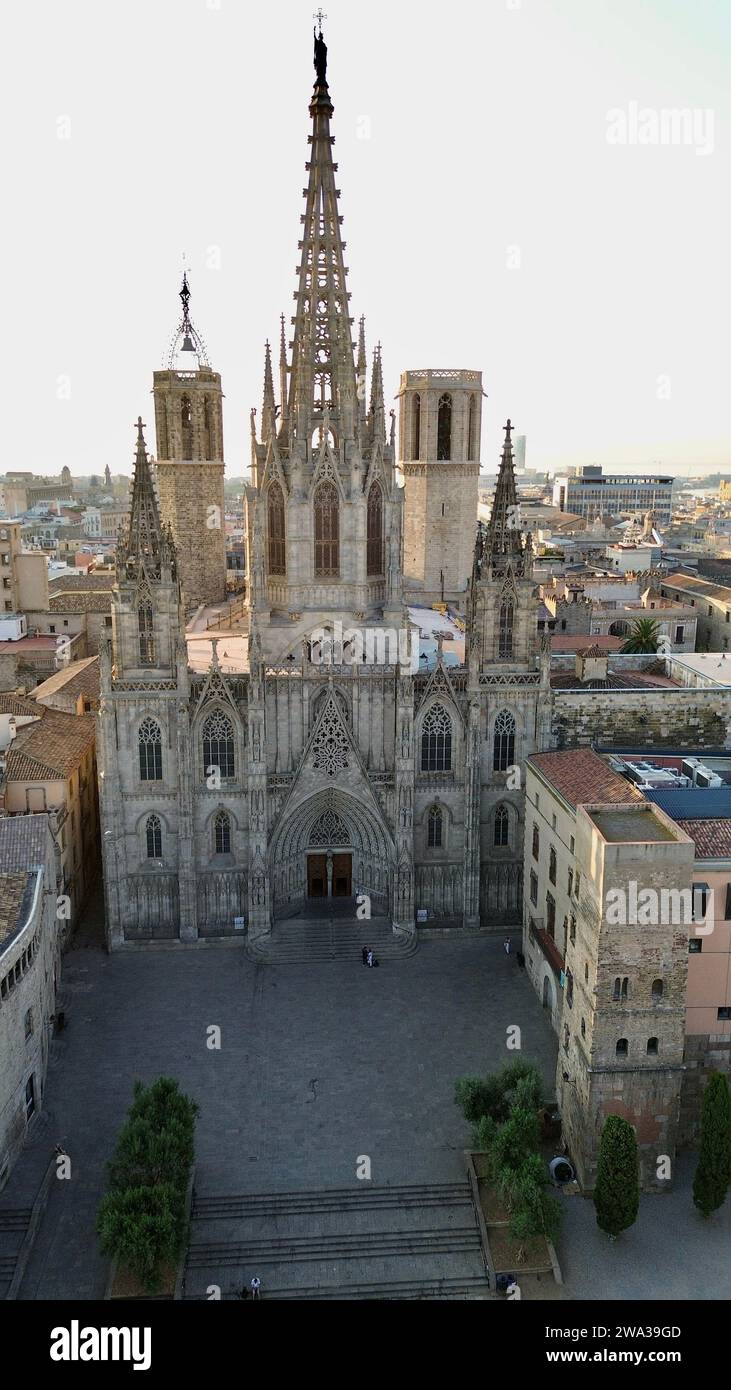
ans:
x=323 y=384
x=503 y=543
x=147 y=547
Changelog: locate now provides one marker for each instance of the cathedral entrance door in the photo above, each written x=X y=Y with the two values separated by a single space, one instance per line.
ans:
x=317 y=876
x=342 y=875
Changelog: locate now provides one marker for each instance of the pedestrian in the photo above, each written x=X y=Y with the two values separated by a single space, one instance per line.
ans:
x=364 y=954
x=256 y=1287
x=506 y=945
x=369 y=957
x=244 y=1292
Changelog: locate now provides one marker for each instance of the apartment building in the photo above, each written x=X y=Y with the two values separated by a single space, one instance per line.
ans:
x=590 y=492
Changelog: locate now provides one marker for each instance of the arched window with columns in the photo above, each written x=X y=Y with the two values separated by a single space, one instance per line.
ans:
x=416 y=426
x=444 y=427
x=275 y=523
x=186 y=427
x=503 y=748
x=436 y=741
x=435 y=827
x=219 y=745
x=374 y=542
x=472 y=430
x=327 y=531
x=145 y=624
x=501 y=833
x=153 y=834
x=149 y=743
x=222 y=833
x=505 y=629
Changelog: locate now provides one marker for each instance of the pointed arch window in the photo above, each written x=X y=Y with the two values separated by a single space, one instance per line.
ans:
x=374 y=543
x=153 y=833
x=218 y=745
x=501 y=834
x=186 y=427
x=444 y=427
x=503 y=748
x=327 y=531
x=149 y=742
x=207 y=428
x=222 y=833
x=416 y=427
x=472 y=430
x=434 y=827
x=505 y=629
x=275 y=519
x=436 y=741
x=146 y=632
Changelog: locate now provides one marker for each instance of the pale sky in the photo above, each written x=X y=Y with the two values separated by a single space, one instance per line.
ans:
x=469 y=136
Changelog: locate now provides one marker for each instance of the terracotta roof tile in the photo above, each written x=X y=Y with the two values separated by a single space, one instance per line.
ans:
x=51 y=748
x=712 y=838
x=581 y=776
x=18 y=704
x=13 y=901
x=78 y=678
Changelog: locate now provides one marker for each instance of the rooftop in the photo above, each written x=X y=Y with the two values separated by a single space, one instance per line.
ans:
x=580 y=776
x=50 y=749
x=714 y=666
x=78 y=678
x=712 y=838
x=23 y=842
x=15 y=898
x=637 y=826
x=703 y=587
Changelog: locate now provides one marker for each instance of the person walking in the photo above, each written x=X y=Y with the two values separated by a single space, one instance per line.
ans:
x=364 y=954
x=506 y=945
x=369 y=957
x=256 y=1287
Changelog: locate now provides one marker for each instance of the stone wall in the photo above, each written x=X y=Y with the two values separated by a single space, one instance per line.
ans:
x=704 y=1054
x=662 y=718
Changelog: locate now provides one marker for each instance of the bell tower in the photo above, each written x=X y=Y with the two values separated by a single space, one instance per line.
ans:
x=190 y=466
x=439 y=452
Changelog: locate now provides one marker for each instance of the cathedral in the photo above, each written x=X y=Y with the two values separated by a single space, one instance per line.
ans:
x=254 y=766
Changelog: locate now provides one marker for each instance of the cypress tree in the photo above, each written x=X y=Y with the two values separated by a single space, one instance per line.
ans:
x=713 y=1174
x=617 y=1190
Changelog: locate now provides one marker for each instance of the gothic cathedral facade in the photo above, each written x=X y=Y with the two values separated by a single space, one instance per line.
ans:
x=298 y=754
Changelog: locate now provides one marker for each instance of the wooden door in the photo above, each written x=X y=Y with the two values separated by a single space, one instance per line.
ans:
x=342 y=875
x=316 y=876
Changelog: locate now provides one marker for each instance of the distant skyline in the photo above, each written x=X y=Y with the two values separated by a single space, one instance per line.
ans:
x=501 y=206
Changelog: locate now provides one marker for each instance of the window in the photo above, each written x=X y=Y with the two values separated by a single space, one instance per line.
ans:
x=571 y=880
x=622 y=1048
x=327 y=531
x=374 y=541
x=583 y=1028
x=222 y=833
x=571 y=844
x=724 y=1014
x=218 y=745
x=503 y=752
x=416 y=427
x=657 y=990
x=652 y=1047
x=434 y=828
x=28 y=1024
x=145 y=625
x=505 y=630
x=533 y=889
x=153 y=830
x=700 y=901
x=51 y=627
x=536 y=847
x=569 y=989
x=727 y=911
x=577 y=884
x=586 y=971
x=572 y=930
x=552 y=865
x=472 y=430
x=275 y=521
x=502 y=826
x=149 y=742
x=550 y=915
x=436 y=741
x=444 y=427
x=695 y=946
x=30 y=1097
x=621 y=989
x=680 y=634
x=566 y=1037
x=186 y=427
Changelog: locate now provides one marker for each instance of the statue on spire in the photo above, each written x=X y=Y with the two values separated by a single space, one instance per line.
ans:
x=320 y=52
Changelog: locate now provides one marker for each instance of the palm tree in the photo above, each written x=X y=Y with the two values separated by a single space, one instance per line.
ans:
x=644 y=636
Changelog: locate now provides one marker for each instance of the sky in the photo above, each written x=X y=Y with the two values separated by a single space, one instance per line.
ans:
x=513 y=201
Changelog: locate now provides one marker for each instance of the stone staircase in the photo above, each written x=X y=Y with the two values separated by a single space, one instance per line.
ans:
x=314 y=940
x=419 y=1241
x=14 y=1222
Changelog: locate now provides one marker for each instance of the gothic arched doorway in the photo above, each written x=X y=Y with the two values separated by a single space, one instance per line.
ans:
x=331 y=846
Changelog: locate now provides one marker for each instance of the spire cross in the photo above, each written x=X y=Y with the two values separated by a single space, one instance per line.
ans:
x=319 y=17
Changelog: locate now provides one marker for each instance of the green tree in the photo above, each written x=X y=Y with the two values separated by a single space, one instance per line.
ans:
x=617 y=1190
x=644 y=636
x=516 y=1139
x=713 y=1174
x=143 y=1227
x=535 y=1211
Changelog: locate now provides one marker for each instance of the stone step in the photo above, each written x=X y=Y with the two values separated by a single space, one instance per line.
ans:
x=367 y=1245
x=318 y=942
x=469 y=1287
x=242 y=1205
x=15 y=1219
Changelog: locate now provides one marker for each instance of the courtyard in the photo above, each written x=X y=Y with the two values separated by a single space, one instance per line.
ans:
x=319 y=1067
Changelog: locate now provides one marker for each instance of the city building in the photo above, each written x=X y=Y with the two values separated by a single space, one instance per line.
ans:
x=31 y=934
x=591 y=492
x=710 y=601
